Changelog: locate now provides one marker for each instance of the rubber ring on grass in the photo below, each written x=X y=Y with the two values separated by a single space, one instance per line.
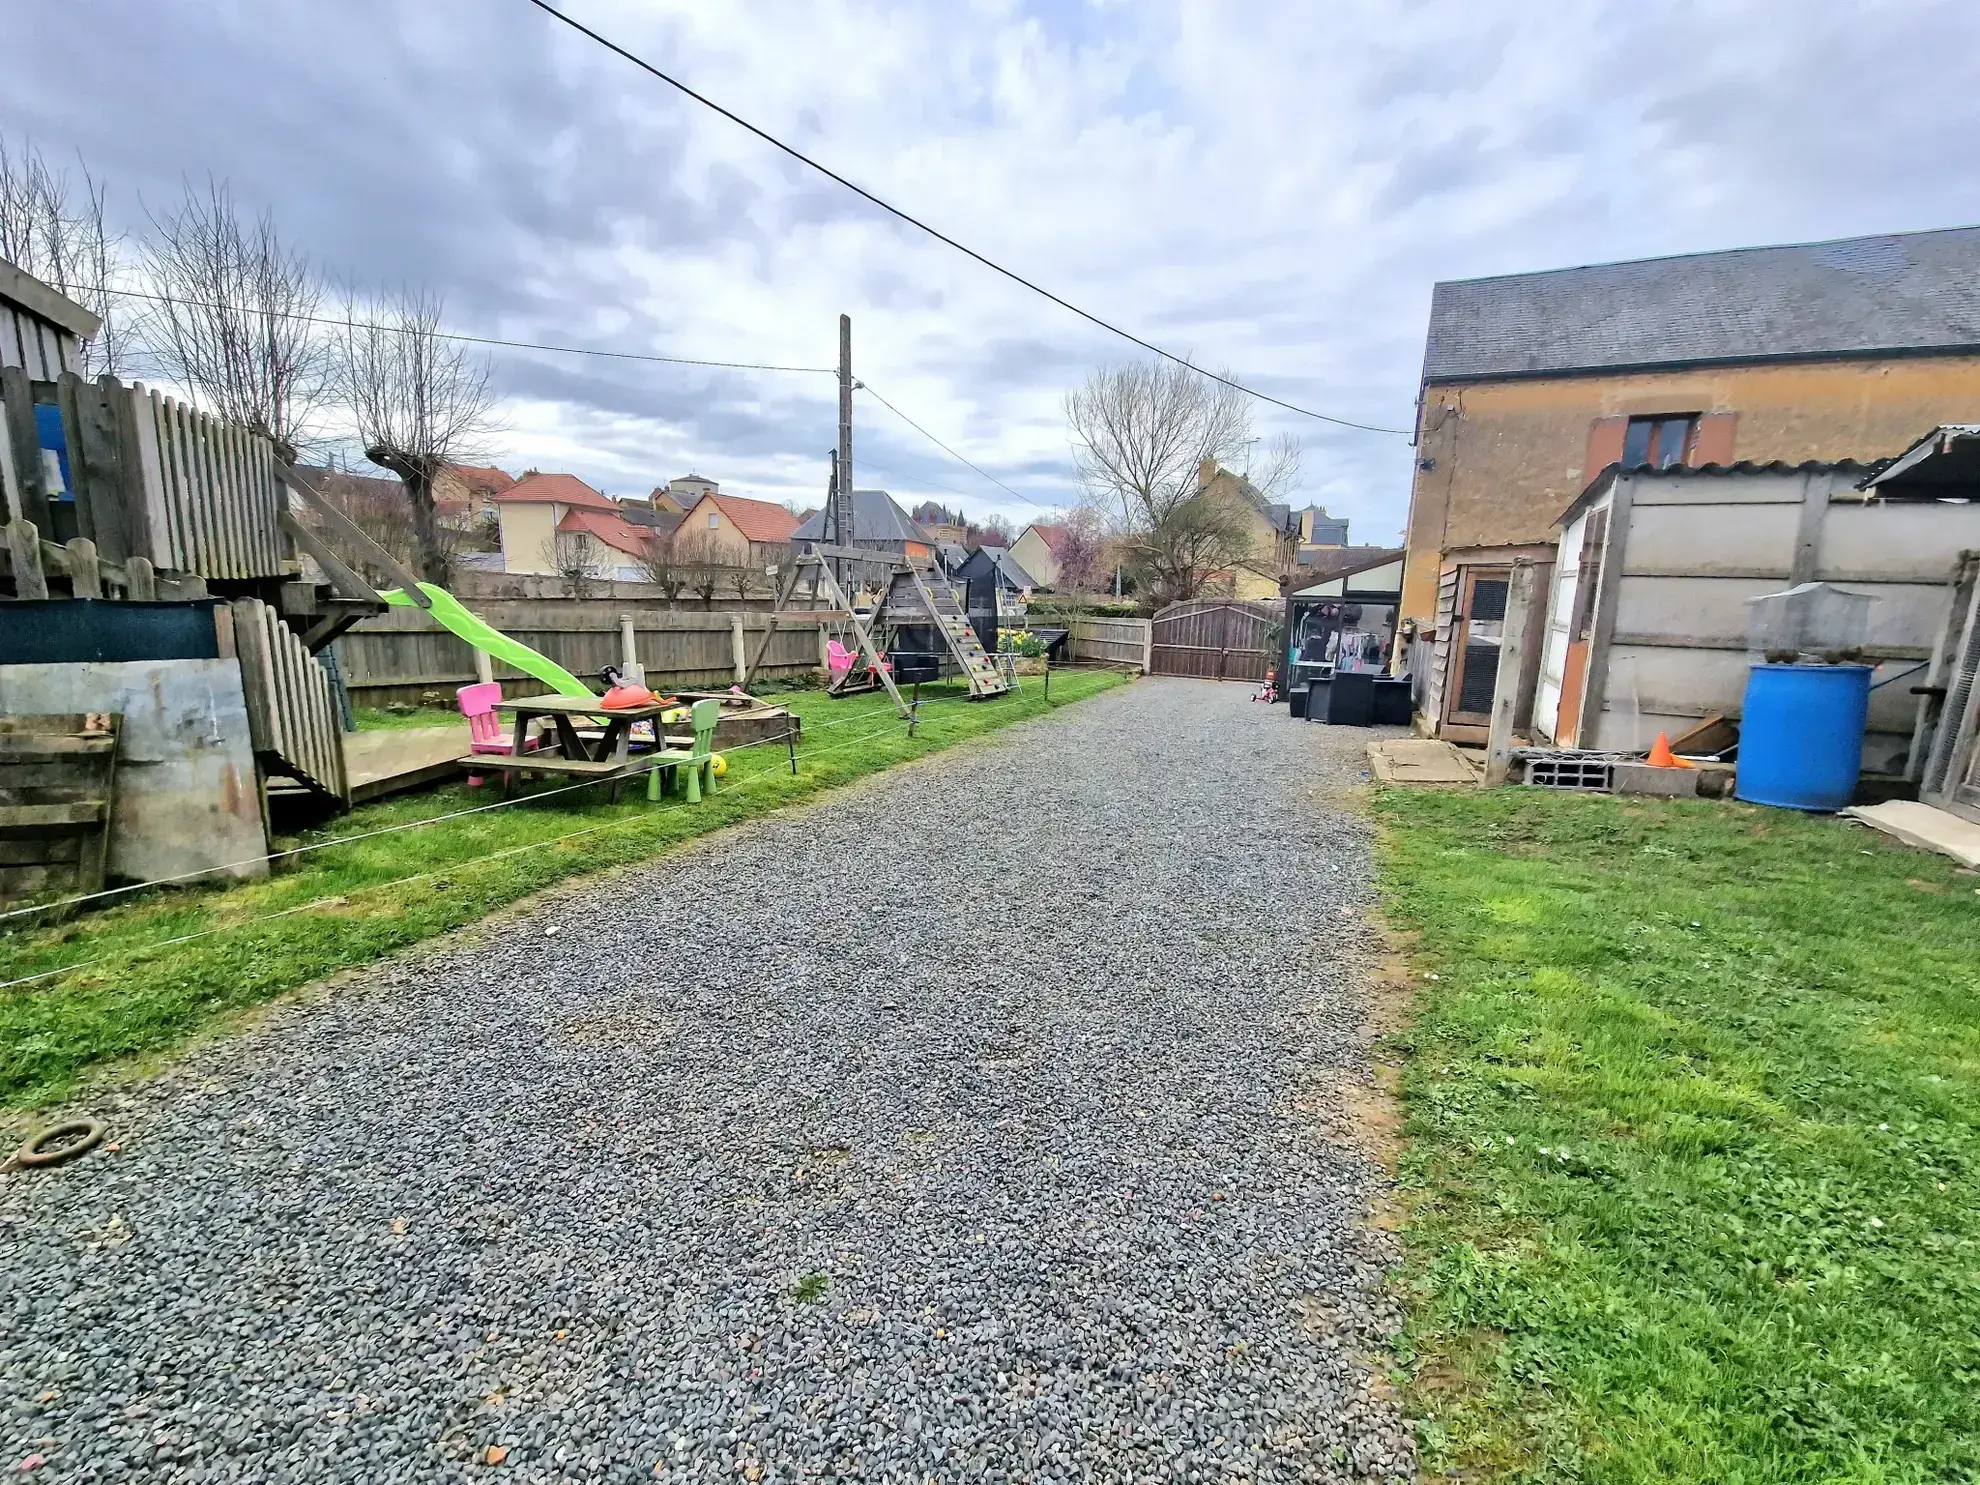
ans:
x=60 y=1143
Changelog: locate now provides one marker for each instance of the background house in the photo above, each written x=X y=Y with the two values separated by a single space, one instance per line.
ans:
x=1534 y=383
x=530 y=513
x=731 y=531
x=879 y=525
x=999 y=565
x=602 y=545
x=1037 y=551
x=463 y=495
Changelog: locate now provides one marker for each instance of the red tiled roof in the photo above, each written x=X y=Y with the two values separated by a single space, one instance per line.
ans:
x=757 y=520
x=611 y=529
x=564 y=489
x=1054 y=537
x=486 y=478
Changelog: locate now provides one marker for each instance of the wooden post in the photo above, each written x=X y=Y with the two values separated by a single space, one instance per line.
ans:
x=737 y=649
x=24 y=548
x=629 y=653
x=825 y=648
x=1148 y=647
x=1520 y=594
x=141 y=585
x=484 y=665
x=85 y=575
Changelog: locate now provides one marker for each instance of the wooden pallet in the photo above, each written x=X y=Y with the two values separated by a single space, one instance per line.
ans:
x=57 y=775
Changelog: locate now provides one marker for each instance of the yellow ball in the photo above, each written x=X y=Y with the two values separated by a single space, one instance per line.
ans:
x=718 y=765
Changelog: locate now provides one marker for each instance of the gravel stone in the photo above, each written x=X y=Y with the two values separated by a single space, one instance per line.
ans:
x=984 y=1121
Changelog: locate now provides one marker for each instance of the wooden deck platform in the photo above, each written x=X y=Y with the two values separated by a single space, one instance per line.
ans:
x=394 y=759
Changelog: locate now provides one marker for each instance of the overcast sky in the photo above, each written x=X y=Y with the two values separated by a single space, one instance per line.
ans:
x=1271 y=185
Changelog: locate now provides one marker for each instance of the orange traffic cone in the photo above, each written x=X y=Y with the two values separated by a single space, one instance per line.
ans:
x=1661 y=755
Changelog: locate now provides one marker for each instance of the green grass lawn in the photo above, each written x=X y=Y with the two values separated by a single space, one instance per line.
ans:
x=126 y=988
x=1692 y=1094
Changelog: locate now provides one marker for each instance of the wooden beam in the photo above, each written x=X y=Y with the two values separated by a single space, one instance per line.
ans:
x=346 y=528
x=29 y=485
x=342 y=577
x=1521 y=594
x=853 y=554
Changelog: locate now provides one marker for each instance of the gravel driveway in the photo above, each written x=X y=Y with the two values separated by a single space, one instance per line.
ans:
x=824 y=1149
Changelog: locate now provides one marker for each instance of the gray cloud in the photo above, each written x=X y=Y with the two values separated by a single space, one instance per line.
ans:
x=1274 y=188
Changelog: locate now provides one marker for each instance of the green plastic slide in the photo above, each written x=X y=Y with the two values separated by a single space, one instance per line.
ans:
x=448 y=610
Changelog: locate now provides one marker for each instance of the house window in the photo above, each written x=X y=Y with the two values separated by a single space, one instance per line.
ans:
x=714 y=521
x=1661 y=441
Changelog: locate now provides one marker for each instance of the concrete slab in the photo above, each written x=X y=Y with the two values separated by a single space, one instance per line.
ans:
x=1419 y=760
x=1924 y=826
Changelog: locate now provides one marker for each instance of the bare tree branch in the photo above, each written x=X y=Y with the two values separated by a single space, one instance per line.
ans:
x=229 y=324
x=418 y=402
x=1142 y=433
x=61 y=237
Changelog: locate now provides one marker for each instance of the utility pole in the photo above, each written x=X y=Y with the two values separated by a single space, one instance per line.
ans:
x=842 y=473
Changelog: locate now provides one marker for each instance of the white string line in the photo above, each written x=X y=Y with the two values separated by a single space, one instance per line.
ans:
x=345 y=840
x=343 y=897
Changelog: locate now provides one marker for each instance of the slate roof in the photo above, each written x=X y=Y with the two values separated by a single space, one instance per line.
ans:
x=563 y=489
x=877 y=516
x=1330 y=563
x=1911 y=291
x=998 y=560
x=660 y=522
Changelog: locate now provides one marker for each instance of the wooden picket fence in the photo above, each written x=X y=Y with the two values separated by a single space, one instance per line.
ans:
x=1113 y=641
x=293 y=718
x=152 y=481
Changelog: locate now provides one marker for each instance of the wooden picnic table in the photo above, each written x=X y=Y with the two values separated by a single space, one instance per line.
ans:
x=582 y=753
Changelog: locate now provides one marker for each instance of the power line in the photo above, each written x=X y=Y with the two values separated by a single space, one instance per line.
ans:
x=912 y=221
x=867 y=387
x=521 y=345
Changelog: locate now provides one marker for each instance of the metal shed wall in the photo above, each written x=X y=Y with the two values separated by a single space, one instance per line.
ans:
x=1690 y=547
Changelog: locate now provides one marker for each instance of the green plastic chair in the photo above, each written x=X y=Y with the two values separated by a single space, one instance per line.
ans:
x=692 y=762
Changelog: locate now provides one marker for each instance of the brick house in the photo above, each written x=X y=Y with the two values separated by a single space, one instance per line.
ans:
x=1534 y=383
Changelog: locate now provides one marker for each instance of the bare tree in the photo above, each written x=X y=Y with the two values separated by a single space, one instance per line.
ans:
x=574 y=557
x=419 y=400
x=1276 y=474
x=1141 y=430
x=659 y=566
x=702 y=562
x=1142 y=435
x=233 y=318
x=59 y=234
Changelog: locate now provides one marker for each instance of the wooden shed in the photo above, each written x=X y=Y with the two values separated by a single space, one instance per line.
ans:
x=41 y=331
x=1646 y=615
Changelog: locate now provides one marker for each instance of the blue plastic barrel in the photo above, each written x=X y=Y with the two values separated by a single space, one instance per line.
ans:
x=1801 y=736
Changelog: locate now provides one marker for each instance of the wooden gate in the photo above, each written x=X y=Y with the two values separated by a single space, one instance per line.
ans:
x=1218 y=639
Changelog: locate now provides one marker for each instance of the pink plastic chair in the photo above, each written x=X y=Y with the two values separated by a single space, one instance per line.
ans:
x=484 y=727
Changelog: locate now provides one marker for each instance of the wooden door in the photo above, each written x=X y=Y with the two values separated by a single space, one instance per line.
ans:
x=1472 y=669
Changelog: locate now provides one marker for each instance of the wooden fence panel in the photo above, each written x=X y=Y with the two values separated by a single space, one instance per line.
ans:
x=212 y=504
x=1219 y=639
x=292 y=711
x=1114 y=641
x=397 y=655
